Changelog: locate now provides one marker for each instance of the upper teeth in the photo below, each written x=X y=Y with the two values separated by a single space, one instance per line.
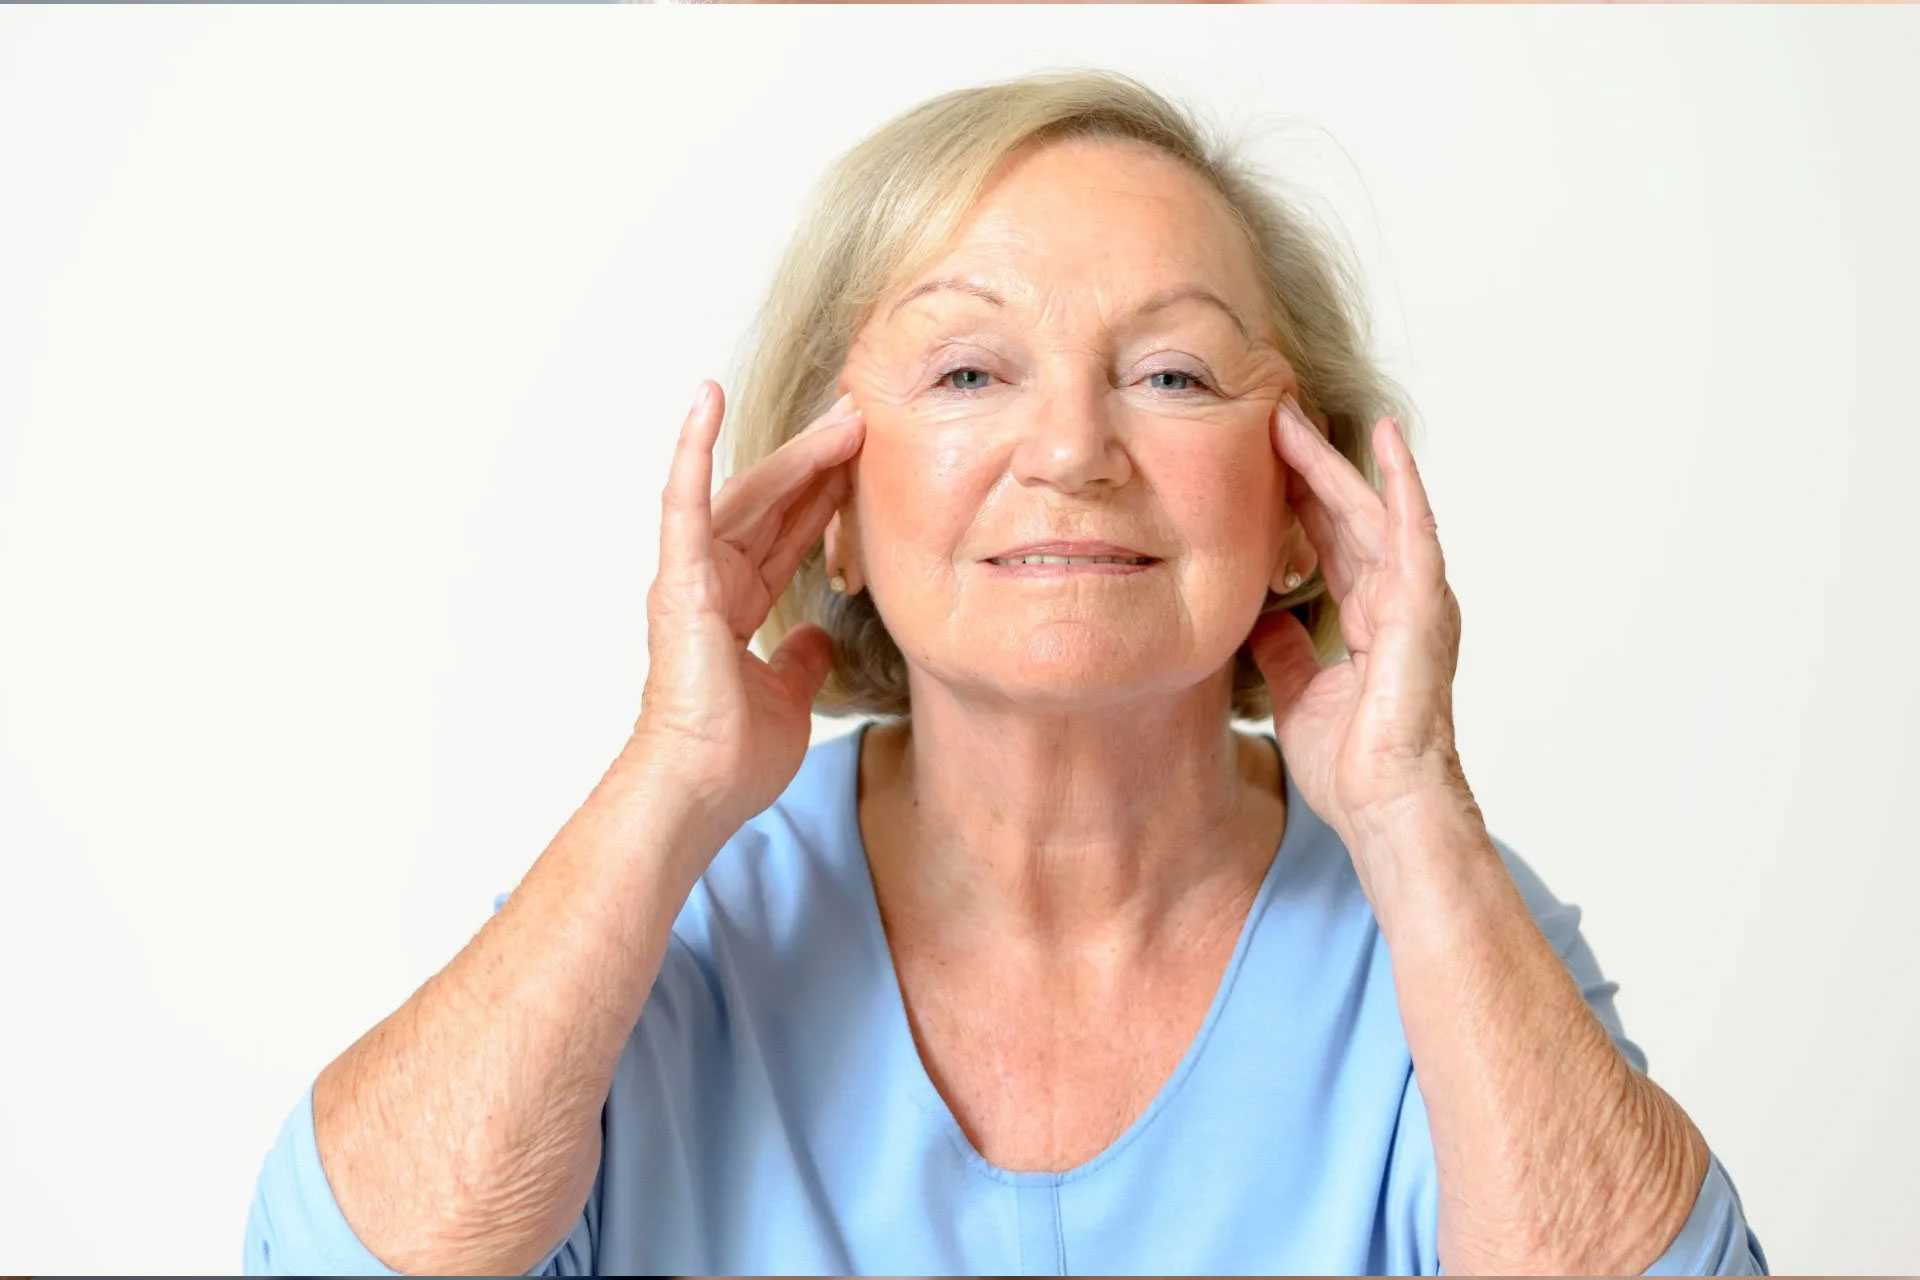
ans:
x=1072 y=560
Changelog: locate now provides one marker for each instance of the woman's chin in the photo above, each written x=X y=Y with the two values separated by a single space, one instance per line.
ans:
x=1074 y=681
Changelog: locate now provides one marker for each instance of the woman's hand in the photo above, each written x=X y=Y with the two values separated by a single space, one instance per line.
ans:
x=729 y=727
x=1374 y=732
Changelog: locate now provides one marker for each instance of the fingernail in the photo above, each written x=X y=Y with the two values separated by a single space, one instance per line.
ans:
x=831 y=418
x=836 y=414
x=702 y=396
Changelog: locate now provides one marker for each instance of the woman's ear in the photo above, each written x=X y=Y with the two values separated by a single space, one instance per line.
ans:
x=842 y=541
x=843 y=552
x=1296 y=556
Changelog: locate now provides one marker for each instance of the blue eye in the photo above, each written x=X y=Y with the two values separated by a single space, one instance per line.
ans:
x=945 y=384
x=963 y=390
x=1180 y=373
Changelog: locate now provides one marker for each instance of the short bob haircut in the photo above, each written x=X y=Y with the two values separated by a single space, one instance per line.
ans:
x=886 y=210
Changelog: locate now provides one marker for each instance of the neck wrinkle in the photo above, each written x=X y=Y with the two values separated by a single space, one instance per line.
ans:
x=1055 y=838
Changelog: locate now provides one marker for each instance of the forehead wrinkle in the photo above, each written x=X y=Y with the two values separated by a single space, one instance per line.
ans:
x=956 y=284
x=1189 y=292
x=1029 y=206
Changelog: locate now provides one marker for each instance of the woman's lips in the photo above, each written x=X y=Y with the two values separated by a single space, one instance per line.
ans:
x=1084 y=570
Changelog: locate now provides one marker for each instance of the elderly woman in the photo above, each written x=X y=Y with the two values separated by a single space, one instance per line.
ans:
x=1055 y=457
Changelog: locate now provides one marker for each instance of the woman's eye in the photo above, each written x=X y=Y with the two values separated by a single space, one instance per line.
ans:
x=977 y=380
x=1194 y=378
x=979 y=385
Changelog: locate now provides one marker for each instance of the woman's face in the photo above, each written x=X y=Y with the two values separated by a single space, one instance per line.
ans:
x=1090 y=402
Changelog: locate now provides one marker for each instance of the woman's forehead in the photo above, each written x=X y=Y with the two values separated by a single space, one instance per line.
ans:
x=1068 y=222
x=1111 y=293
x=1112 y=301
x=1117 y=255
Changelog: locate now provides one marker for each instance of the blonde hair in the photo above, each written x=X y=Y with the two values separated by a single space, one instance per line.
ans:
x=891 y=204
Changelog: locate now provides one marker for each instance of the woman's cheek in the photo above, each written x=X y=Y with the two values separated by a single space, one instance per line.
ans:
x=1226 y=462
x=898 y=512
x=953 y=456
x=1217 y=493
x=922 y=466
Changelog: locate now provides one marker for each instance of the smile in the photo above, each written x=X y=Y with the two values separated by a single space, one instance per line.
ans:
x=1070 y=566
x=1072 y=560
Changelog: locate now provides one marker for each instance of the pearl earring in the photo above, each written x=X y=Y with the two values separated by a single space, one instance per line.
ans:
x=838 y=583
x=1292 y=580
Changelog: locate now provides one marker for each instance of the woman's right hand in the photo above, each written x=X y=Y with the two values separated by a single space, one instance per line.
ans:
x=714 y=717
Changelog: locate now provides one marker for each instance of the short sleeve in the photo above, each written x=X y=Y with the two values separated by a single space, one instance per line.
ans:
x=1410 y=1235
x=1715 y=1239
x=296 y=1227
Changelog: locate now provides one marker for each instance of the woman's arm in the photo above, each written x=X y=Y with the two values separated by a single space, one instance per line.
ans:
x=461 y=1135
x=1553 y=1152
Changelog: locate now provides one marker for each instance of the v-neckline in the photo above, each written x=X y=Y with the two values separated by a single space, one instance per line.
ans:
x=899 y=1032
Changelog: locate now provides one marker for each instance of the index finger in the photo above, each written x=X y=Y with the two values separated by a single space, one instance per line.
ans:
x=1416 y=536
x=686 y=504
x=772 y=482
x=1327 y=471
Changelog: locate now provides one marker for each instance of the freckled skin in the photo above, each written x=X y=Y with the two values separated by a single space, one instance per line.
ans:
x=1078 y=425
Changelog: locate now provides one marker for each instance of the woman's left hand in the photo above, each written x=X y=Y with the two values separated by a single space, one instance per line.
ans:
x=1374 y=733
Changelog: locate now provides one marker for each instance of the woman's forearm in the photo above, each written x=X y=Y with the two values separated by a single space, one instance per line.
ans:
x=1553 y=1153
x=461 y=1135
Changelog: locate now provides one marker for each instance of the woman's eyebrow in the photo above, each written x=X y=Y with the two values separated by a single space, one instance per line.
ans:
x=1157 y=301
x=1196 y=293
x=951 y=282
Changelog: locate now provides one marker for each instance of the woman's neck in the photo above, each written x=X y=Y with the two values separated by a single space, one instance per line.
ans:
x=1074 y=831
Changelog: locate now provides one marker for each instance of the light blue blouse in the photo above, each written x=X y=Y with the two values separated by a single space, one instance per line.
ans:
x=770 y=1112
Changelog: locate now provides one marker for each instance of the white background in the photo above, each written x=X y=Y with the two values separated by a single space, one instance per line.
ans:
x=340 y=356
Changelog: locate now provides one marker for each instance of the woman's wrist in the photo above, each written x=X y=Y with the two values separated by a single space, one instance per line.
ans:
x=655 y=810
x=1395 y=845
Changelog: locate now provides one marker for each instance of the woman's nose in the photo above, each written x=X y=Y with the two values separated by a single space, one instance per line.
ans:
x=1068 y=438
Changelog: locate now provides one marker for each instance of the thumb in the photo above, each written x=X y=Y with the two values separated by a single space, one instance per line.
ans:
x=1283 y=651
x=802 y=661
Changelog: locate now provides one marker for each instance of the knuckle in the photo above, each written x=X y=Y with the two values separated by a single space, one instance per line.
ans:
x=673 y=591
